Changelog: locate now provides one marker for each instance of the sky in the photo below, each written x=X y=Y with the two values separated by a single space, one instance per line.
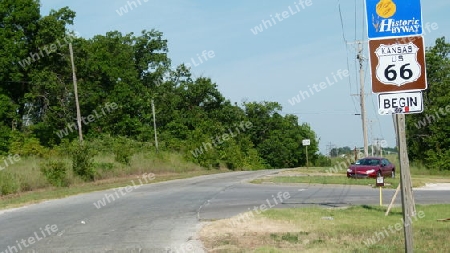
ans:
x=297 y=45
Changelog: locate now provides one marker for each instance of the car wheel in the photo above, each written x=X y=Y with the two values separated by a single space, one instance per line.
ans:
x=393 y=174
x=379 y=173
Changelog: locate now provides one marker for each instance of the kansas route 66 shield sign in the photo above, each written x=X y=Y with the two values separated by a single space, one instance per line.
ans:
x=397 y=64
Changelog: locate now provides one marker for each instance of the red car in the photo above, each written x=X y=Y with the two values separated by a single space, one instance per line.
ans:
x=371 y=167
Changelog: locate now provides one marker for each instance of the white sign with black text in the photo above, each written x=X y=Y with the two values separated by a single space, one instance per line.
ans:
x=404 y=103
x=397 y=64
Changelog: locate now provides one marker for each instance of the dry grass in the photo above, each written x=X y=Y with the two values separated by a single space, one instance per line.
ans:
x=311 y=230
x=227 y=236
x=33 y=187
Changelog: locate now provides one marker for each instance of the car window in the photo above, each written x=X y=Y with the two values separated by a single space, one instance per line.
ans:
x=369 y=162
x=363 y=162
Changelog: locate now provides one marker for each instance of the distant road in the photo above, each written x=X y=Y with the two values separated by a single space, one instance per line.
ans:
x=164 y=217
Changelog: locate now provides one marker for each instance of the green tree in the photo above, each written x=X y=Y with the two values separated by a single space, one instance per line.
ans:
x=427 y=133
x=37 y=99
x=277 y=138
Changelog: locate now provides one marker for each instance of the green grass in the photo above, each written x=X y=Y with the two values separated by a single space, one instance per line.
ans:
x=336 y=174
x=353 y=229
x=341 y=179
x=417 y=180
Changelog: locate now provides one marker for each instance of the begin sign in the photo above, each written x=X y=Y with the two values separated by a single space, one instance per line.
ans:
x=407 y=102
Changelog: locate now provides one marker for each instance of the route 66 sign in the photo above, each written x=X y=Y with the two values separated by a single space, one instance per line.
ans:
x=397 y=64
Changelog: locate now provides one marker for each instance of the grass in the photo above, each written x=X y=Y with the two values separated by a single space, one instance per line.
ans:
x=336 y=174
x=342 y=180
x=312 y=176
x=354 y=229
x=32 y=187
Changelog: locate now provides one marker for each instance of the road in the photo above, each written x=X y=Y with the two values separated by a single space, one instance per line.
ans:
x=164 y=217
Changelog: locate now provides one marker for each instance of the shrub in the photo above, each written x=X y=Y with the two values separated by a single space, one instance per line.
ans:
x=56 y=173
x=8 y=183
x=26 y=146
x=123 y=150
x=322 y=161
x=253 y=161
x=82 y=160
x=104 y=166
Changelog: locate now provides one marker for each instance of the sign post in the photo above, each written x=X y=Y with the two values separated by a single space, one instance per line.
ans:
x=306 y=143
x=397 y=58
x=380 y=184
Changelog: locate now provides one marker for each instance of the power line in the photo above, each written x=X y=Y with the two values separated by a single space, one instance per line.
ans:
x=363 y=30
x=355 y=22
x=346 y=50
x=342 y=22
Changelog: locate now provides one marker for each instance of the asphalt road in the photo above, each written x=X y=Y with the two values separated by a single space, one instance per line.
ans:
x=164 y=217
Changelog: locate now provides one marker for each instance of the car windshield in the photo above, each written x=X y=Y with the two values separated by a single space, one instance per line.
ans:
x=370 y=162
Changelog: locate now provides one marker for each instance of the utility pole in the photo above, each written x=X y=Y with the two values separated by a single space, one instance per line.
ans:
x=360 y=58
x=379 y=147
x=330 y=148
x=75 y=90
x=372 y=147
x=154 y=126
x=370 y=134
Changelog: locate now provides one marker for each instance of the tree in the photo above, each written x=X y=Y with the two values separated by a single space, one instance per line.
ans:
x=37 y=99
x=277 y=138
x=28 y=57
x=427 y=133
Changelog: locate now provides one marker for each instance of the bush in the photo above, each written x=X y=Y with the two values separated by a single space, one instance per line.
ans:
x=123 y=150
x=253 y=161
x=104 y=166
x=56 y=173
x=26 y=146
x=8 y=183
x=322 y=161
x=82 y=160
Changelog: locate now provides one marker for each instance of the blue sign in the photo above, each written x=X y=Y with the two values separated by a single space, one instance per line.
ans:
x=393 y=18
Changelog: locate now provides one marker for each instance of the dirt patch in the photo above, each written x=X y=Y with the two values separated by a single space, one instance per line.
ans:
x=231 y=235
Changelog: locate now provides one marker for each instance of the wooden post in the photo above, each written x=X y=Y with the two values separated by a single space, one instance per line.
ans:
x=405 y=183
x=307 y=165
x=75 y=90
x=381 y=196
x=154 y=126
x=392 y=201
